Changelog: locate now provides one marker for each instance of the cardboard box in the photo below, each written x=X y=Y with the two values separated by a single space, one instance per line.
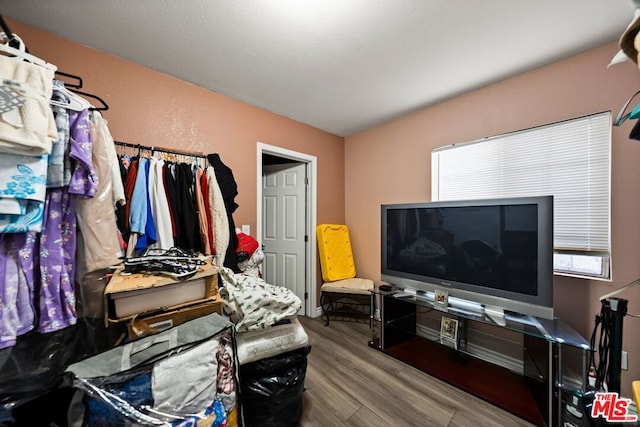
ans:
x=150 y=324
x=130 y=295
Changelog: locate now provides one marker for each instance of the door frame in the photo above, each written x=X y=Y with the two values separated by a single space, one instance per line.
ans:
x=310 y=216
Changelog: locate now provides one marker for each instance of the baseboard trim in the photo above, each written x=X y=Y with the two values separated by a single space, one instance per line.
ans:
x=477 y=345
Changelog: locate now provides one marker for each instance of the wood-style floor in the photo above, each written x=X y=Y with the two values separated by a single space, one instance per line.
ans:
x=350 y=384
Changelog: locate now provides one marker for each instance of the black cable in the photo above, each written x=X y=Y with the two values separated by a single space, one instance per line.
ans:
x=603 y=349
x=605 y=321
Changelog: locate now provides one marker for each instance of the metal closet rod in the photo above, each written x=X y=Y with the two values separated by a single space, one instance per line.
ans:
x=164 y=150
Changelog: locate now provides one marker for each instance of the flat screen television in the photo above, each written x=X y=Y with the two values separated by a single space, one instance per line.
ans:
x=497 y=254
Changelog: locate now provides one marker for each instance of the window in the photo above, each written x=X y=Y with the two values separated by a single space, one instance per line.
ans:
x=569 y=160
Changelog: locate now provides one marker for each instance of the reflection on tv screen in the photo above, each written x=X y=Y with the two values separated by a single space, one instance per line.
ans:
x=491 y=246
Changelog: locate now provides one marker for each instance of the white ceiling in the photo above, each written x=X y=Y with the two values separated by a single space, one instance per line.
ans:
x=339 y=65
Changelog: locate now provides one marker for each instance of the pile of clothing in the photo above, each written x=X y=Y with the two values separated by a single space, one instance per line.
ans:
x=174 y=262
x=250 y=255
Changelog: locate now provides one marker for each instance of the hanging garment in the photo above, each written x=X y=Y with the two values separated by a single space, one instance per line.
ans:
x=37 y=271
x=228 y=186
x=30 y=221
x=24 y=245
x=159 y=205
x=22 y=192
x=129 y=186
x=27 y=125
x=149 y=236
x=207 y=205
x=22 y=178
x=229 y=190
x=84 y=181
x=57 y=301
x=187 y=222
x=169 y=186
x=140 y=220
x=98 y=242
x=203 y=213
x=59 y=162
x=100 y=129
x=124 y=163
x=219 y=218
x=17 y=316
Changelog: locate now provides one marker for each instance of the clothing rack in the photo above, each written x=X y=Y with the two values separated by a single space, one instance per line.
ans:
x=140 y=147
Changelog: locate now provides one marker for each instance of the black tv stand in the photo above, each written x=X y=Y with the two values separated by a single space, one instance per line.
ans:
x=549 y=350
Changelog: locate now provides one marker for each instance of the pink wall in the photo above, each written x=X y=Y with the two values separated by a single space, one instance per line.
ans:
x=391 y=163
x=150 y=108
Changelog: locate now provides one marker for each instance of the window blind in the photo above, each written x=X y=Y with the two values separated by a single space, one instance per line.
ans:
x=569 y=160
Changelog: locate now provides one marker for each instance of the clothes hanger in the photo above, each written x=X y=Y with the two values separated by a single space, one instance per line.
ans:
x=73 y=104
x=78 y=80
x=76 y=103
x=622 y=117
x=21 y=52
x=16 y=47
x=104 y=106
x=9 y=33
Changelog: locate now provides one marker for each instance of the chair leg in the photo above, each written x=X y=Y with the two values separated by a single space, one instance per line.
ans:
x=324 y=311
x=331 y=306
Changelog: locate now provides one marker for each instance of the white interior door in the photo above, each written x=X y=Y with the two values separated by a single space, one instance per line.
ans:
x=284 y=228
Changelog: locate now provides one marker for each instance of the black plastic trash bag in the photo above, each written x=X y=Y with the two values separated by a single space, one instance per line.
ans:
x=35 y=365
x=271 y=389
x=32 y=372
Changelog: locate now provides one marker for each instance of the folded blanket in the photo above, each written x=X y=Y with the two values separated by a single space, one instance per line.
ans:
x=253 y=304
